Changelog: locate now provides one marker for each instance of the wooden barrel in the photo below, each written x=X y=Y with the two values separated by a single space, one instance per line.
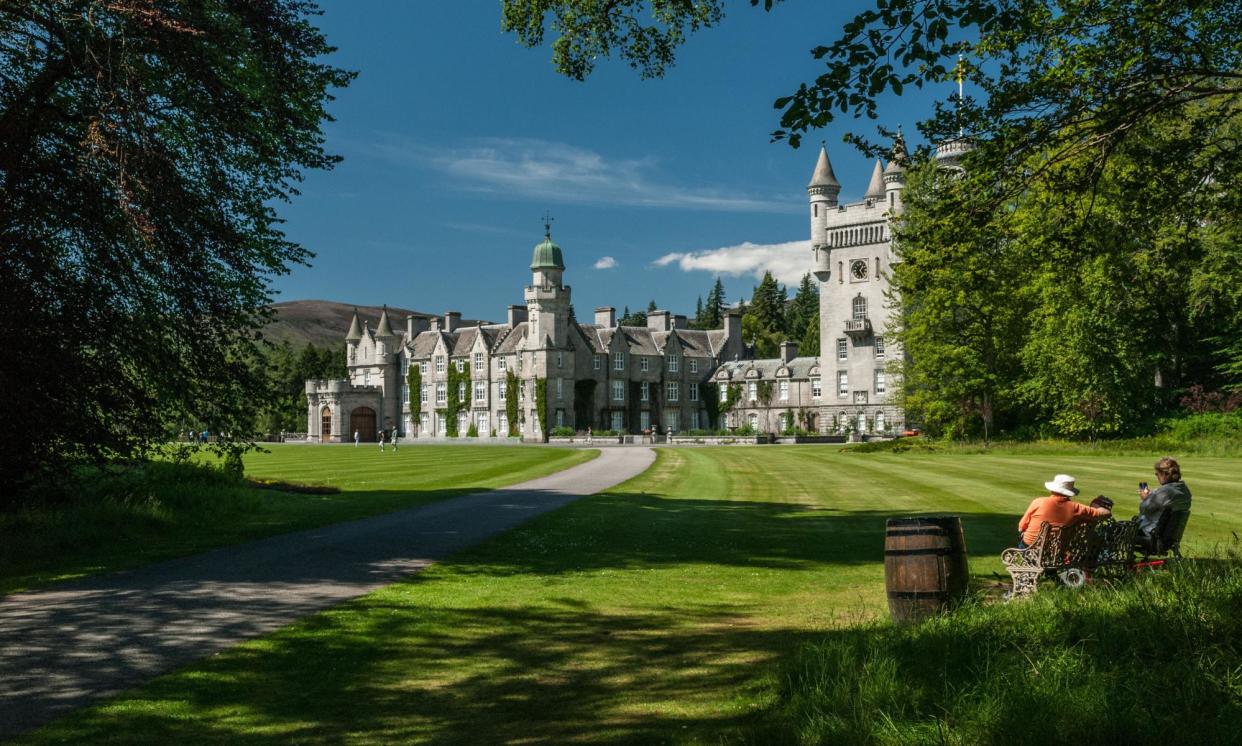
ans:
x=925 y=570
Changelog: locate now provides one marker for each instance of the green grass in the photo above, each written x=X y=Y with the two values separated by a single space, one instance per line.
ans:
x=133 y=516
x=663 y=611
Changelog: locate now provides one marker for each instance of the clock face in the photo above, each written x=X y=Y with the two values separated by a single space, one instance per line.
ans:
x=858 y=269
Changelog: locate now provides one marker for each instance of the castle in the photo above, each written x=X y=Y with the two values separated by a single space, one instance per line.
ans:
x=632 y=379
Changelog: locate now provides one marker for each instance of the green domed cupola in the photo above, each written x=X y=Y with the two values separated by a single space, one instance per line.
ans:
x=547 y=255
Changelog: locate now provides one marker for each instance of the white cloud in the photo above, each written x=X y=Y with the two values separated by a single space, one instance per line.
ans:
x=786 y=261
x=605 y=262
x=541 y=169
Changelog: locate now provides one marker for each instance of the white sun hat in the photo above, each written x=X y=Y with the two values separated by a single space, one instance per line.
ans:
x=1062 y=484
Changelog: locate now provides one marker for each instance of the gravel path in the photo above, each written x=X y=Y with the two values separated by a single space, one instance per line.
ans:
x=67 y=646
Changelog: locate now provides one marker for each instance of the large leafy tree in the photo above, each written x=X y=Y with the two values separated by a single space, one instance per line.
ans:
x=142 y=148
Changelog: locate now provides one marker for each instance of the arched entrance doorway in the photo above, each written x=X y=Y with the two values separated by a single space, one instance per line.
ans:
x=362 y=421
x=325 y=425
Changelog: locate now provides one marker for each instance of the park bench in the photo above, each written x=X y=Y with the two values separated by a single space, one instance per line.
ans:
x=1072 y=554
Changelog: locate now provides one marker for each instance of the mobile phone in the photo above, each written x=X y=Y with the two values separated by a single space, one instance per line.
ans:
x=1142 y=485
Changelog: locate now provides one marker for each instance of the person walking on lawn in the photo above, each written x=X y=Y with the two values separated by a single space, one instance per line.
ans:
x=1057 y=509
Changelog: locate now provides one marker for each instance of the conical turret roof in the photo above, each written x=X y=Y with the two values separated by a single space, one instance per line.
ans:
x=875 y=190
x=823 y=176
x=897 y=163
x=384 y=329
x=355 y=329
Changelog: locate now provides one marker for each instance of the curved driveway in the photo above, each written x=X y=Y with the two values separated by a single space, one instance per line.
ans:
x=67 y=646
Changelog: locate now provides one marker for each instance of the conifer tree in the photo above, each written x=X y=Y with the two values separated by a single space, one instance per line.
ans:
x=805 y=305
x=713 y=312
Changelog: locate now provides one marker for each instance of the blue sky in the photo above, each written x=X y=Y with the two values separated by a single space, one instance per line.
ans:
x=456 y=141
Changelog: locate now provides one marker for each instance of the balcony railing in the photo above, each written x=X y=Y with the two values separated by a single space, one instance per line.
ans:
x=858 y=326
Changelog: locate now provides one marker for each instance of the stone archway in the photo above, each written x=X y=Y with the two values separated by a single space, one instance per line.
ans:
x=362 y=421
x=325 y=425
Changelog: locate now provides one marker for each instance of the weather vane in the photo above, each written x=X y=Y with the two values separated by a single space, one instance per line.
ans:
x=547 y=224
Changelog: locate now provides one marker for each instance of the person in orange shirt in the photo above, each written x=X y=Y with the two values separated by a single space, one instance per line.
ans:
x=1057 y=509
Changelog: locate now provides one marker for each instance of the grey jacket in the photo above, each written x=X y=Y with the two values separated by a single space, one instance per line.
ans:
x=1174 y=495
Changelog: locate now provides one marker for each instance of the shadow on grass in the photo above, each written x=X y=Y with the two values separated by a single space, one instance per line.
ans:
x=552 y=669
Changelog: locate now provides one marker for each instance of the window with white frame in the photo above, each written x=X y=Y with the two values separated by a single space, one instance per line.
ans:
x=643 y=364
x=879 y=348
x=480 y=422
x=752 y=391
x=879 y=382
x=816 y=389
x=560 y=388
x=781 y=423
x=879 y=422
x=366 y=377
x=441 y=392
x=422 y=367
x=461 y=365
x=784 y=389
x=502 y=391
x=674 y=363
x=502 y=363
x=478 y=361
x=502 y=424
x=694 y=420
x=422 y=395
x=441 y=424
x=461 y=391
x=519 y=361
x=439 y=363
x=644 y=391
x=674 y=391
x=860 y=308
x=694 y=393
x=560 y=418
x=521 y=387
x=644 y=420
x=672 y=420
x=405 y=367
x=405 y=393
x=843 y=349
x=618 y=361
x=843 y=384
x=618 y=390
x=480 y=392
x=694 y=365
x=595 y=364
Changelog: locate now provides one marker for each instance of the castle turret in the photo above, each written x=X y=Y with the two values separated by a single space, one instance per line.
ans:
x=822 y=193
x=383 y=335
x=547 y=300
x=353 y=337
x=875 y=188
x=895 y=174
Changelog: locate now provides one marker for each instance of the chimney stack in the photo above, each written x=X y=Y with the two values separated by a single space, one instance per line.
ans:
x=733 y=331
x=679 y=322
x=658 y=321
x=452 y=320
x=517 y=314
x=606 y=316
x=789 y=350
x=414 y=326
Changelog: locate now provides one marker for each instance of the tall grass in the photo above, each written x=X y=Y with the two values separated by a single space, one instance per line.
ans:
x=1157 y=660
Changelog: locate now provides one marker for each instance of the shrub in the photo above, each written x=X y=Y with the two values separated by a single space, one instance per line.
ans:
x=562 y=432
x=472 y=431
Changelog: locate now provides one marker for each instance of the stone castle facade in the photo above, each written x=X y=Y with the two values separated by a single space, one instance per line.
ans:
x=633 y=379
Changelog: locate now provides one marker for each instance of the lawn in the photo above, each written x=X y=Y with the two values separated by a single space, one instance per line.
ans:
x=661 y=611
x=136 y=516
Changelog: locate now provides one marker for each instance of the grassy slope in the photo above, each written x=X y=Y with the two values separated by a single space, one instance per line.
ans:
x=147 y=519
x=657 y=612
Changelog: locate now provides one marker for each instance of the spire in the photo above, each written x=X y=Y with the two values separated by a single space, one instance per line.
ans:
x=384 y=329
x=823 y=176
x=355 y=329
x=875 y=190
x=899 y=158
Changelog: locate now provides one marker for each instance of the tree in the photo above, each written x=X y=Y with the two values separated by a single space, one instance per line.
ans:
x=713 y=312
x=809 y=346
x=638 y=318
x=698 y=315
x=805 y=306
x=142 y=147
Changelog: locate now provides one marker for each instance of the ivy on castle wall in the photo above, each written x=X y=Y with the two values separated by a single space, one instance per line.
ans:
x=711 y=403
x=512 y=412
x=541 y=406
x=764 y=390
x=414 y=379
x=455 y=403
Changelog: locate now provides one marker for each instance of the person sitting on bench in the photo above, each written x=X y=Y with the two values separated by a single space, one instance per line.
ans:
x=1172 y=495
x=1057 y=509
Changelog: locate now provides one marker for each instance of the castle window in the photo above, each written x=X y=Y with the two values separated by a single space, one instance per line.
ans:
x=674 y=363
x=840 y=272
x=694 y=392
x=816 y=390
x=478 y=361
x=843 y=349
x=843 y=384
x=560 y=388
x=618 y=390
x=502 y=364
x=644 y=390
x=618 y=361
x=879 y=348
x=560 y=360
x=422 y=367
x=502 y=391
x=752 y=391
x=877 y=267
x=595 y=362
x=480 y=392
x=366 y=377
x=879 y=422
x=422 y=395
x=439 y=363
x=643 y=364
x=461 y=365
x=405 y=393
x=560 y=418
x=694 y=365
x=891 y=196
x=405 y=367
x=815 y=209
x=879 y=382
x=860 y=308
x=441 y=393
x=461 y=392
x=674 y=391
x=784 y=388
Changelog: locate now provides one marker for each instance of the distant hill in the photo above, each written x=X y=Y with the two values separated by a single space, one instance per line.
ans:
x=324 y=323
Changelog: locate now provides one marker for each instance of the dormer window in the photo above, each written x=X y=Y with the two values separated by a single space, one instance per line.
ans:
x=478 y=361
x=439 y=363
